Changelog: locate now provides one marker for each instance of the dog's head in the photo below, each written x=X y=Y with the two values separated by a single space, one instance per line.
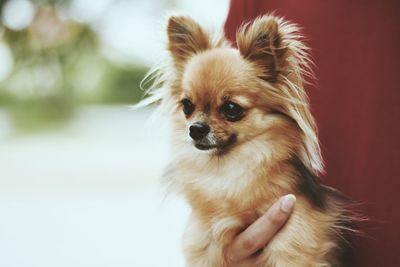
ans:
x=225 y=98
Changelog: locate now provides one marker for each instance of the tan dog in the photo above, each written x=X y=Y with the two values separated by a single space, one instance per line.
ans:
x=244 y=136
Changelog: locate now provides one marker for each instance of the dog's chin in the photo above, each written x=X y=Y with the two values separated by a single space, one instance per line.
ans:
x=219 y=148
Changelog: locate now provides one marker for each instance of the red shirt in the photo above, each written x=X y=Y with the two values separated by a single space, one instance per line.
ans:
x=356 y=48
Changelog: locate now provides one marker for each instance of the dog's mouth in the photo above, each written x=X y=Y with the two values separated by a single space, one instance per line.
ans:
x=201 y=145
x=204 y=146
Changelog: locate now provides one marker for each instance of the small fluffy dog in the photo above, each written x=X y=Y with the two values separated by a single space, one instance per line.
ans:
x=243 y=137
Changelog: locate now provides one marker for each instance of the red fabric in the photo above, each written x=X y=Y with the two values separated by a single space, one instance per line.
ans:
x=356 y=48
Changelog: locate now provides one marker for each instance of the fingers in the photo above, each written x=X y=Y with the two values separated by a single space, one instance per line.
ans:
x=258 y=234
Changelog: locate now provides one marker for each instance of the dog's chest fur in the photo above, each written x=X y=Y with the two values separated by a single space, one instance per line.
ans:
x=227 y=195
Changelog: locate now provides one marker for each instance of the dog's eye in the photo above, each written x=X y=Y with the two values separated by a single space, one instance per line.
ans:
x=232 y=111
x=188 y=106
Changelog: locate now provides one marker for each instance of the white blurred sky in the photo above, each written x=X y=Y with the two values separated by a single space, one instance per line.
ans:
x=135 y=30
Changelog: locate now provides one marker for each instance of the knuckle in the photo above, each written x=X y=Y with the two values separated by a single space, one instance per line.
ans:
x=250 y=243
x=275 y=219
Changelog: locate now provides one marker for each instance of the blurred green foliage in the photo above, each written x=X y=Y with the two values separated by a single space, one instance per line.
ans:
x=58 y=67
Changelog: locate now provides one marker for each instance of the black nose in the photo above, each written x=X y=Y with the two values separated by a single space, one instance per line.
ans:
x=198 y=130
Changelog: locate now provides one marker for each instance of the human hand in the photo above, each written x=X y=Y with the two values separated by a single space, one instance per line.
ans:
x=242 y=251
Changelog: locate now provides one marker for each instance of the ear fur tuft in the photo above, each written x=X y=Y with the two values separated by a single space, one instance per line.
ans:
x=261 y=43
x=185 y=38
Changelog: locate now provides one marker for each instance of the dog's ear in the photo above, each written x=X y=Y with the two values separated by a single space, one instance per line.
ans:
x=185 y=38
x=261 y=42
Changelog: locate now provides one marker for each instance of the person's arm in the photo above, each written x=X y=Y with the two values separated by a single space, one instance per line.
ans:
x=256 y=236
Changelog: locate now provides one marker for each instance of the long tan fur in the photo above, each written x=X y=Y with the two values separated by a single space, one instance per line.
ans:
x=273 y=150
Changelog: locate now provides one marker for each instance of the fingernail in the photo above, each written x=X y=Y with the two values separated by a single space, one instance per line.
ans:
x=287 y=203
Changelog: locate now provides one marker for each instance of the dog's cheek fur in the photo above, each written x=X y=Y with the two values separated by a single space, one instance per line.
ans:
x=280 y=134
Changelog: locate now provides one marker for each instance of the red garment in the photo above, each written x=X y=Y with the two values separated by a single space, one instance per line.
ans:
x=356 y=48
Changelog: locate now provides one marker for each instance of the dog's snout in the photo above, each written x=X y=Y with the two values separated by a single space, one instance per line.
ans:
x=198 y=130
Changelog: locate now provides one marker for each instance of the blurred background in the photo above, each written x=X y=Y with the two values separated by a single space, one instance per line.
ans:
x=79 y=169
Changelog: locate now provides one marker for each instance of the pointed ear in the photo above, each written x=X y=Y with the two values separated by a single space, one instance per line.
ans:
x=185 y=38
x=261 y=43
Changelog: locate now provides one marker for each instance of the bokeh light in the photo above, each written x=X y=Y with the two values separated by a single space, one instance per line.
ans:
x=18 y=14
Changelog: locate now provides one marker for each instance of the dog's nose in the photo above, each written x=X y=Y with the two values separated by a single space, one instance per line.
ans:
x=198 y=130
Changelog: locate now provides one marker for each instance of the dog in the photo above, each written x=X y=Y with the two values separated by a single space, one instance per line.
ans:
x=243 y=136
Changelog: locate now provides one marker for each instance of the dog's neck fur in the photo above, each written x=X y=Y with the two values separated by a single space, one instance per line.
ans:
x=229 y=181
